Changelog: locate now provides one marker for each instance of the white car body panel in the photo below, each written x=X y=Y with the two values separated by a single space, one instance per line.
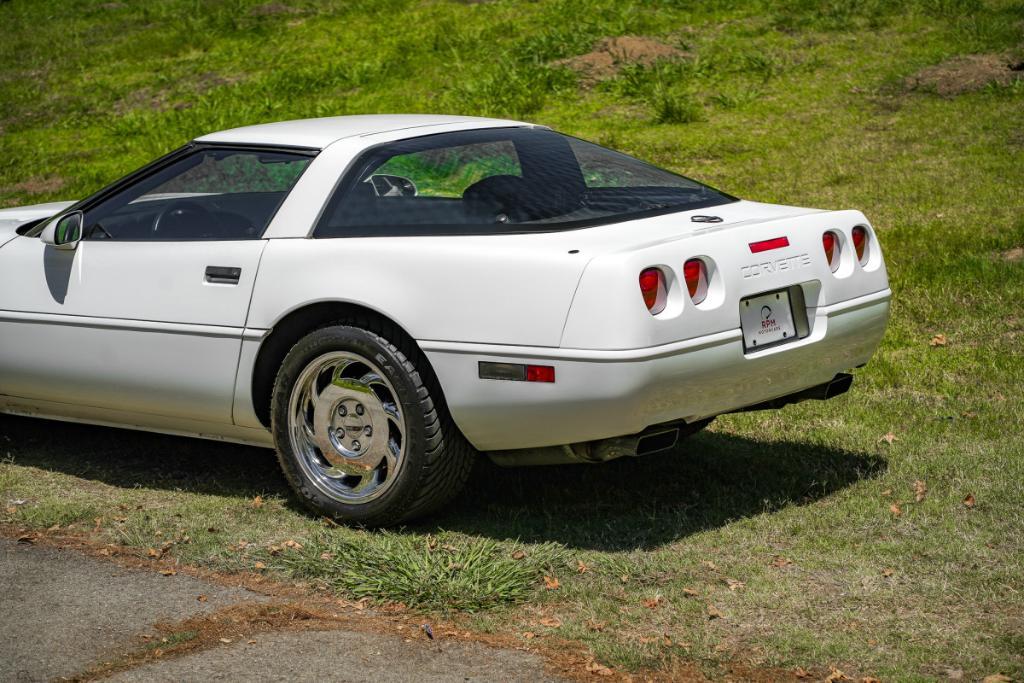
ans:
x=125 y=325
x=139 y=339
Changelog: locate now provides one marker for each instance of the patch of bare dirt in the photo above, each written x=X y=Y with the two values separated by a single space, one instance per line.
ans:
x=966 y=73
x=159 y=100
x=37 y=185
x=1014 y=255
x=611 y=54
x=272 y=9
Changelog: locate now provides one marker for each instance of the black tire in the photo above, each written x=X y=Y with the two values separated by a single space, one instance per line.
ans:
x=437 y=458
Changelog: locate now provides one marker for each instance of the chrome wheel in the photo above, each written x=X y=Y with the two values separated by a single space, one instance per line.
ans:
x=346 y=427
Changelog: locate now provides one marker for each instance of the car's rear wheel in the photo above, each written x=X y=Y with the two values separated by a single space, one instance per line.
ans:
x=361 y=435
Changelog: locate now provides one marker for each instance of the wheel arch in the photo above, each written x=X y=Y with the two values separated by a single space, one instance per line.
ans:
x=299 y=322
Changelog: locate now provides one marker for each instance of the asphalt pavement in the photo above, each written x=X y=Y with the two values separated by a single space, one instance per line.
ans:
x=62 y=613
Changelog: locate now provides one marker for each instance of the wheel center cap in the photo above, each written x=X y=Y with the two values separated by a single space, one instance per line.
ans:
x=350 y=427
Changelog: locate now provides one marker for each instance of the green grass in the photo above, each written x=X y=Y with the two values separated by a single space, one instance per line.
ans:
x=796 y=102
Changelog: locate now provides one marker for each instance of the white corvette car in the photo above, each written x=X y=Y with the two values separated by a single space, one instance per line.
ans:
x=379 y=297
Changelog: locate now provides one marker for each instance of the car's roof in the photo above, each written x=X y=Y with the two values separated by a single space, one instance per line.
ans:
x=318 y=133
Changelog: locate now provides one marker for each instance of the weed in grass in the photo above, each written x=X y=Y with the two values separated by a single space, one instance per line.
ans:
x=674 y=107
x=514 y=89
x=440 y=572
x=737 y=98
x=52 y=511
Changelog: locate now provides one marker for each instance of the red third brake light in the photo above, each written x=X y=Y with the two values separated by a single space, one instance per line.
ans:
x=860 y=240
x=694 y=272
x=768 y=245
x=652 y=286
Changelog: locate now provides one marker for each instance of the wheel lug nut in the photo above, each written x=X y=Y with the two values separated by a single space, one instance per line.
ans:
x=368 y=430
x=342 y=412
x=359 y=409
x=339 y=433
x=356 y=446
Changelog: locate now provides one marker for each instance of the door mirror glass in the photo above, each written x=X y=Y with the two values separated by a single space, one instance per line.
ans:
x=65 y=232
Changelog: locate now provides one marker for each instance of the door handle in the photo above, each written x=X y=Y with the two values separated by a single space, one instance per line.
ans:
x=223 y=275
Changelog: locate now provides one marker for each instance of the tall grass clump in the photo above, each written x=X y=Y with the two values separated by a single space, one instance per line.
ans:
x=460 y=574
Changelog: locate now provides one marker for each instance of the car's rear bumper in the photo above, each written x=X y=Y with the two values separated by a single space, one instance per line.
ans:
x=604 y=394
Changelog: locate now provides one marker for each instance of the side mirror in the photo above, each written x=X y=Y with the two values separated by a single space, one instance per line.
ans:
x=65 y=232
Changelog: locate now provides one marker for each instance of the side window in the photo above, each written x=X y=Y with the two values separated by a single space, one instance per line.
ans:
x=212 y=194
x=603 y=168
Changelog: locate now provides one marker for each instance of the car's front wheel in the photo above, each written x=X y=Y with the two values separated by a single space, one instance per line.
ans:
x=360 y=434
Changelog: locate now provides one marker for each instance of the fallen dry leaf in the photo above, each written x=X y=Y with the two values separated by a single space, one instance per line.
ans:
x=938 y=340
x=250 y=642
x=153 y=552
x=259 y=565
x=801 y=672
x=887 y=572
x=595 y=625
x=652 y=603
x=581 y=567
x=529 y=635
x=551 y=622
x=519 y=554
x=225 y=640
x=709 y=564
x=690 y=592
x=780 y=561
x=326 y=556
x=888 y=437
x=257 y=502
x=28 y=538
x=294 y=545
x=920 y=490
x=870 y=679
x=624 y=578
x=836 y=675
x=734 y=585
x=969 y=501
x=551 y=583
x=599 y=669
x=895 y=509
x=168 y=572
x=997 y=678
x=714 y=612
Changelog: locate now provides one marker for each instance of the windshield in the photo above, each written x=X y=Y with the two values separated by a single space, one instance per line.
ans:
x=503 y=180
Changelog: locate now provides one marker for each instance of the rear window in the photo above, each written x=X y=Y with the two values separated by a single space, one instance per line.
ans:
x=505 y=180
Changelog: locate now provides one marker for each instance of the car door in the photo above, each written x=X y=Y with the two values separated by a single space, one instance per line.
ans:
x=147 y=314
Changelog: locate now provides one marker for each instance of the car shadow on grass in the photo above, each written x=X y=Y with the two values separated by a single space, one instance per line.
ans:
x=708 y=481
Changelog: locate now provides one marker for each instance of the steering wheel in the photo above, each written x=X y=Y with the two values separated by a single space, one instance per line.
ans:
x=189 y=212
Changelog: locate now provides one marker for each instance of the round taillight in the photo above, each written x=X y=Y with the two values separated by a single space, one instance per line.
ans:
x=830 y=242
x=652 y=287
x=695 y=273
x=860 y=242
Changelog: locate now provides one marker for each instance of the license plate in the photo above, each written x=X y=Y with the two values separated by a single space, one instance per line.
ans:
x=766 y=319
